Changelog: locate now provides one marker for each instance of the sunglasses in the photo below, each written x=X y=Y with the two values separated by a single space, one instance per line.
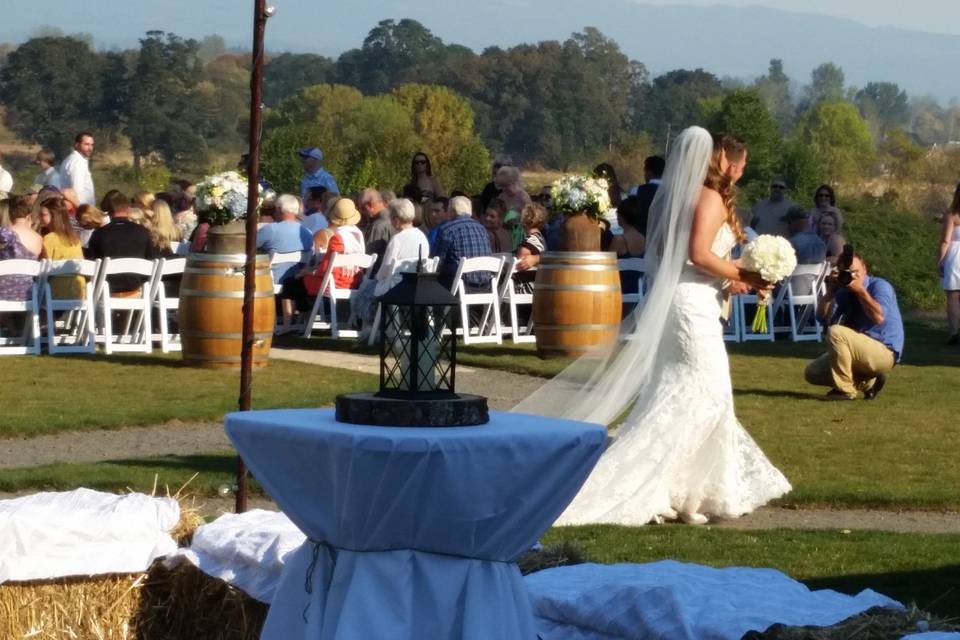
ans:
x=419 y=162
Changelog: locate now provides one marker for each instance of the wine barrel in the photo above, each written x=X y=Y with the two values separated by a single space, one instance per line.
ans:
x=576 y=302
x=211 y=310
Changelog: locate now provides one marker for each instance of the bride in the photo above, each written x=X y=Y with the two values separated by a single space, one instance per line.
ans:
x=679 y=450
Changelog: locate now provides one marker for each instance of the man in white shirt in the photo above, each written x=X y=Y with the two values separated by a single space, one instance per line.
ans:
x=6 y=182
x=75 y=170
x=48 y=176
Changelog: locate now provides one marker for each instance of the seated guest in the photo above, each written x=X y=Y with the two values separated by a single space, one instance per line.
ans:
x=500 y=240
x=408 y=244
x=492 y=190
x=769 y=216
x=423 y=185
x=463 y=237
x=435 y=214
x=828 y=228
x=18 y=241
x=865 y=336
x=121 y=238
x=62 y=243
x=345 y=238
x=824 y=201
x=380 y=231
x=457 y=206
x=631 y=243
x=528 y=254
x=285 y=236
x=810 y=249
x=89 y=219
x=313 y=217
x=515 y=198
x=163 y=231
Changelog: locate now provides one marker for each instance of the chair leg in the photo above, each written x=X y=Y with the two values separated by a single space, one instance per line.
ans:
x=334 y=328
x=107 y=329
x=51 y=329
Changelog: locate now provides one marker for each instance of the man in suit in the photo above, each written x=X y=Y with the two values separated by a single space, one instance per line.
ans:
x=652 y=172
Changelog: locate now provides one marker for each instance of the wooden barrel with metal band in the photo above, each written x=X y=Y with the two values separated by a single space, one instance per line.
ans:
x=576 y=302
x=211 y=310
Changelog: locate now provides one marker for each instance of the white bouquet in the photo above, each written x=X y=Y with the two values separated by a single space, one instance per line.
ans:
x=580 y=194
x=223 y=197
x=774 y=259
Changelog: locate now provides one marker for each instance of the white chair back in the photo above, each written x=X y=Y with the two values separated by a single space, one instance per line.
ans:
x=803 y=294
x=136 y=334
x=330 y=292
x=166 y=305
x=488 y=329
x=76 y=315
x=633 y=265
x=29 y=340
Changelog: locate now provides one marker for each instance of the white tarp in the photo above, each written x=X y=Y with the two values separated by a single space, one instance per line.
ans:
x=246 y=550
x=82 y=533
x=680 y=601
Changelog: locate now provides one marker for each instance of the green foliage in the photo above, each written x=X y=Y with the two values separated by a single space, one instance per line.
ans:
x=672 y=102
x=744 y=114
x=774 y=88
x=801 y=168
x=51 y=87
x=826 y=83
x=839 y=138
x=884 y=106
x=151 y=177
x=287 y=74
x=369 y=141
x=897 y=245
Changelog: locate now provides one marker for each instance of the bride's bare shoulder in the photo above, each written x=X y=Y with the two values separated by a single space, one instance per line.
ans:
x=710 y=202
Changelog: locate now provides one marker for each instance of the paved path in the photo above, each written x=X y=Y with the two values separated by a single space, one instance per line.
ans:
x=503 y=391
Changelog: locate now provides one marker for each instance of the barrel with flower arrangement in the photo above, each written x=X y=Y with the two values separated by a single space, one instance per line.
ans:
x=576 y=301
x=211 y=292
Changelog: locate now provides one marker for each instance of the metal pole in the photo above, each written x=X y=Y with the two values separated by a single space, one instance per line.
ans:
x=250 y=269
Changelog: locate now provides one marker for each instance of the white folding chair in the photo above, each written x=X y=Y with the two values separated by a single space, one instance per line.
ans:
x=29 y=340
x=732 y=327
x=166 y=305
x=429 y=265
x=633 y=265
x=136 y=335
x=487 y=331
x=510 y=298
x=330 y=292
x=288 y=258
x=747 y=315
x=77 y=314
x=803 y=290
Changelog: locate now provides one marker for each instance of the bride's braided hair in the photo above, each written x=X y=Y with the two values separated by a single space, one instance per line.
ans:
x=731 y=147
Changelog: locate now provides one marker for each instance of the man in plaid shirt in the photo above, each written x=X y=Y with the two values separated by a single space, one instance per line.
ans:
x=462 y=237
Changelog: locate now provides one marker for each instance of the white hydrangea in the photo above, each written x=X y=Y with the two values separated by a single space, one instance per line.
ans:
x=225 y=196
x=771 y=256
x=576 y=194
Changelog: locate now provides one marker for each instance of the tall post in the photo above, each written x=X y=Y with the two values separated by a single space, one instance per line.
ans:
x=250 y=269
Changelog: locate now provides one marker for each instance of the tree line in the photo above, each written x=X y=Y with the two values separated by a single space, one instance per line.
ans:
x=560 y=104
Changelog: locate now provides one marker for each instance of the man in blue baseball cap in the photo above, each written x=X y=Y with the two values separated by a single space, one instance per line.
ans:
x=315 y=175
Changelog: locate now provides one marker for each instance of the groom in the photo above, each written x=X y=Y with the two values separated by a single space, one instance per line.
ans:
x=865 y=339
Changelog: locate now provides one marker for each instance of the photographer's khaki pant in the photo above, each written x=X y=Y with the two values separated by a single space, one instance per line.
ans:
x=851 y=363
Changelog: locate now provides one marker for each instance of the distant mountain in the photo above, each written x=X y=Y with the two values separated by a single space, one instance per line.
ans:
x=725 y=40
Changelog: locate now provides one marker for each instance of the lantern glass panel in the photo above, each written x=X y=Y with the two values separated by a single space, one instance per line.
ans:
x=417 y=354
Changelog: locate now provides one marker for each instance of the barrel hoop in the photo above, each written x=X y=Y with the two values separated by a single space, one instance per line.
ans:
x=579 y=255
x=593 y=288
x=226 y=271
x=214 y=335
x=232 y=258
x=578 y=327
x=577 y=267
x=220 y=358
x=236 y=295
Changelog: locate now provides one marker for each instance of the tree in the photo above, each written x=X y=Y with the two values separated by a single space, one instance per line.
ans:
x=170 y=113
x=673 y=101
x=288 y=73
x=884 y=105
x=840 y=140
x=826 y=83
x=51 y=87
x=774 y=88
x=744 y=114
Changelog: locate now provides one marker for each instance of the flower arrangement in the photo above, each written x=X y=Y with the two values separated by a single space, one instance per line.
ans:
x=580 y=194
x=223 y=197
x=774 y=259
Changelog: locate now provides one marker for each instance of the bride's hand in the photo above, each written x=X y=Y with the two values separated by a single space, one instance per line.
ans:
x=754 y=279
x=736 y=288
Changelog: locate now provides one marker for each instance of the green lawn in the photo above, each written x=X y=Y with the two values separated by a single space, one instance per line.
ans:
x=924 y=569
x=47 y=394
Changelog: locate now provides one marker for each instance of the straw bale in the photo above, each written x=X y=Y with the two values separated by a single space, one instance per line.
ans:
x=186 y=604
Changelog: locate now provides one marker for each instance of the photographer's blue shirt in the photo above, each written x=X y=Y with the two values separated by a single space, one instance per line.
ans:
x=890 y=331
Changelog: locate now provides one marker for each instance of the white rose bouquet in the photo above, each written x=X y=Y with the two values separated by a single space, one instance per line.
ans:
x=223 y=197
x=774 y=259
x=580 y=194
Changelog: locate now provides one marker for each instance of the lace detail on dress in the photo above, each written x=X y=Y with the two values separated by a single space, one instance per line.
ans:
x=681 y=446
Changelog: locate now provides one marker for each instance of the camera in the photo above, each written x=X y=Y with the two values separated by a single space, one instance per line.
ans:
x=844 y=266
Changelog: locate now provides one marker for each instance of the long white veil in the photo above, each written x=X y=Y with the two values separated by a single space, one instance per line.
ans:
x=598 y=387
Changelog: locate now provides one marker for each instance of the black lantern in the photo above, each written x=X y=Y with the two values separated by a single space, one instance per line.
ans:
x=418 y=362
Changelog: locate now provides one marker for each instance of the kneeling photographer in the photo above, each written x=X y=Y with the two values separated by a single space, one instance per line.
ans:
x=865 y=332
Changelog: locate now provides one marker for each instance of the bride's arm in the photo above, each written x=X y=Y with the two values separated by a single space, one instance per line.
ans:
x=707 y=219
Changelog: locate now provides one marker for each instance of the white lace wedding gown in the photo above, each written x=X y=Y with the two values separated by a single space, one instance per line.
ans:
x=681 y=447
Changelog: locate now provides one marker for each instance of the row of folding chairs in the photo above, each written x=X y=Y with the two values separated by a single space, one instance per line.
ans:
x=77 y=325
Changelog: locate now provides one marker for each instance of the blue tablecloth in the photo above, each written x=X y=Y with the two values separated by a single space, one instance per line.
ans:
x=413 y=533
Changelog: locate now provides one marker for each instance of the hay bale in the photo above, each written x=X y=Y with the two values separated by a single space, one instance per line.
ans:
x=186 y=604
x=102 y=607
